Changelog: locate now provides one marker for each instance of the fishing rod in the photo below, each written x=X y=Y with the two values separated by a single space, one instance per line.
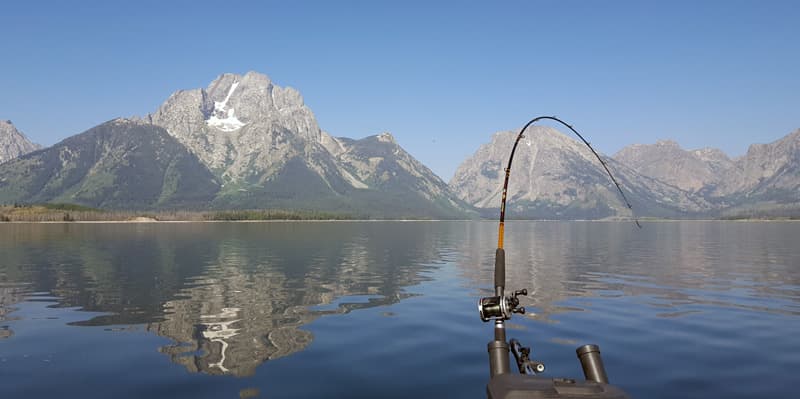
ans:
x=500 y=308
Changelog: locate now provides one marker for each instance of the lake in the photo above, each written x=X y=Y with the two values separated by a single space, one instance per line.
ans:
x=388 y=309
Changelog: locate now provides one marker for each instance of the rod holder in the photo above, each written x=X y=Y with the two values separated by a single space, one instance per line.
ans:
x=592 y=363
x=498 y=357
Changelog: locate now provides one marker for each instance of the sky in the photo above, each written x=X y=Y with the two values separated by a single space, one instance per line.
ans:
x=441 y=76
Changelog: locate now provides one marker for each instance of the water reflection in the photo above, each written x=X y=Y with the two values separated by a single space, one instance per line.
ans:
x=229 y=296
x=671 y=265
x=231 y=321
x=9 y=295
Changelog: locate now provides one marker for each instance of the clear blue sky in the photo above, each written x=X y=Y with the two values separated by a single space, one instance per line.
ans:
x=441 y=76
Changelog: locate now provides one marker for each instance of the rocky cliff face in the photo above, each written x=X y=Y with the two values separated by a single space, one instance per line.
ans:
x=13 y=143
x=768 y=172
x=554 y=176
x=692 y=171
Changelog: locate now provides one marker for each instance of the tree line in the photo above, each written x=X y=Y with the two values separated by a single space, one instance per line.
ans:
x=77 y=213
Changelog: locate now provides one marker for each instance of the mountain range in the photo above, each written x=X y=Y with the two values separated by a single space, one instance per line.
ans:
x=245 y=143
x=556 y=177
x=241 y=143
x=766 y=180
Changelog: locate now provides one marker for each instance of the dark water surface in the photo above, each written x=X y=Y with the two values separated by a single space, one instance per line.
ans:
x=388 y=309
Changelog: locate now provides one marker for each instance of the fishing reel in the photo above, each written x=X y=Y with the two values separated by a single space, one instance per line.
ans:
x=501 y=307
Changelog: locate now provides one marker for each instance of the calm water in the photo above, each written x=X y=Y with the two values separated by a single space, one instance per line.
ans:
x=387 y=309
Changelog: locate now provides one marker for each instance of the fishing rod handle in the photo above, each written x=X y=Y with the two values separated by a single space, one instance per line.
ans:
x=499 y=271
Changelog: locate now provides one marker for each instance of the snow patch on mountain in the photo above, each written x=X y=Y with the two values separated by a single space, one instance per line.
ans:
x=222 y=118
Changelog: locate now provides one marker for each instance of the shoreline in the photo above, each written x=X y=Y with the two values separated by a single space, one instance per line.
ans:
x=383 y=220
x=233 y=221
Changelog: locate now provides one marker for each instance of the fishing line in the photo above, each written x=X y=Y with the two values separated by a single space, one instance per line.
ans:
x=511 y=158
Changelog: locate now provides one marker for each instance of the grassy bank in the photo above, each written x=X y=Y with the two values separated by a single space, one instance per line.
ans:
x=76 y=213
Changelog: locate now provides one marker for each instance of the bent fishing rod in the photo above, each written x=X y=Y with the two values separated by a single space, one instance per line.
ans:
x=520 y=136
x=500 y=307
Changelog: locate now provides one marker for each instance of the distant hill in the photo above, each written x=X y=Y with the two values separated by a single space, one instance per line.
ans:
x=119 y=164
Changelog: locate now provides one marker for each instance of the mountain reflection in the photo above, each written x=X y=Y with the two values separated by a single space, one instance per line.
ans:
x=231 y=321
x=670 y=265
x=229 y=296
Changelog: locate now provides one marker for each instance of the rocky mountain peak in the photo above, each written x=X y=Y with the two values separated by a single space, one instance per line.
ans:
x=792 y=140
x=127 y=122
x=709 y=153
x=771 y=155
x=543 y=168
x=238 y=100
x=265 y=146
x=668 y=143
x=13 y=143
x=241 y=126
x=386 y=137
x=770 y=169
x=666 y=161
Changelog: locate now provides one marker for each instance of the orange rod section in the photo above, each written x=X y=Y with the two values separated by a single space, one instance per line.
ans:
x=500 y=235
